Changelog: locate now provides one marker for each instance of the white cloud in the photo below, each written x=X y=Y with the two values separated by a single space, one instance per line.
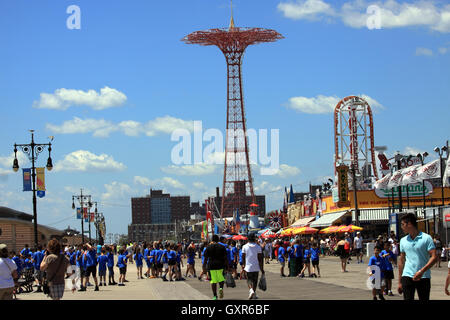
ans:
x=117 y=191
x=199 y=169
x=309 y=9
x=319 y=105
x=83 y=161
x=200 y=185
x=286 y=171
x=165 y=182
x=63 y=98
x=424 y=52
x=392 y=14
x=323 y=104
x=101 y=128
x=443 y=50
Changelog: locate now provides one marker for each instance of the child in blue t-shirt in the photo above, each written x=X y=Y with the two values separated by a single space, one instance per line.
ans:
x=102 y=260
x=282 y=255
x=110 y=265
x=172 y=261
x=389 y=258
x=306 y=261
x=378 y=261
x=122 y=265
x=138 y=258
x=315 y=251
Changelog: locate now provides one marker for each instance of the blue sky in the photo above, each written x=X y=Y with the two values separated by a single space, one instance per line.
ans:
x=112 y=91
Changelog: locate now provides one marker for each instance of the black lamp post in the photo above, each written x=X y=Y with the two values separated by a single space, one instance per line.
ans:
x=82 y=199
x=33 y=150
x=441 y=151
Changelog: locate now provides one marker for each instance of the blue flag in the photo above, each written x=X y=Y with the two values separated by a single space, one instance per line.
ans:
x=27 y=179
x=40 y=193
x=291 y=195
x=79 y=215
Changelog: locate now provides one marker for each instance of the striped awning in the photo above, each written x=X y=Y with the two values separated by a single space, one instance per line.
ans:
x=327 y=219
x=302 y=222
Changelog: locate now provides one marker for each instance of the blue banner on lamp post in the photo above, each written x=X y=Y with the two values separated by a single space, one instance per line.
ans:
x=27 y=179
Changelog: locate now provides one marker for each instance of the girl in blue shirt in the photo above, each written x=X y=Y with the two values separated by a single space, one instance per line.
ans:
x=172 y=261
x=191 y=261
x=315 y=259
x=138 y=258
x=306 y=261
x=122 y=265
x=110 y=265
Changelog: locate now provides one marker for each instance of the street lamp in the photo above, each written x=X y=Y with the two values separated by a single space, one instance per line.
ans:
x=398 y=160
x=33 y=150
x=441 y=152
x=82 y=200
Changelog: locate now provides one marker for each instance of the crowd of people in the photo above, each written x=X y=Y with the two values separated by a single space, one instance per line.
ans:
x=225 y=260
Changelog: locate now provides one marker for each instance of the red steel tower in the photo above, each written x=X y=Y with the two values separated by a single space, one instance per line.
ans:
x=237 y=177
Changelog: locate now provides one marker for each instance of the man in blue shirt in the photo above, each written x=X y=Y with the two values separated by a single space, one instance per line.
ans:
x=25 y=252
x=37 y=258
x=298 y=257
x=417 y=256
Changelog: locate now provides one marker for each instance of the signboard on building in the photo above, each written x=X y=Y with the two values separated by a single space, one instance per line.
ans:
x=412 y=190
x=342 y=173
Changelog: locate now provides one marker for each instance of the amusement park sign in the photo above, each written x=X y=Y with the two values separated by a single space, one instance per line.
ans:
x=412 y=190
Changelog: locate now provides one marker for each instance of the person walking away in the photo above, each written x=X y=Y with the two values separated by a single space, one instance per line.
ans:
x=55 y=265
x=19 y=263
x=215 y=262
x=282 y=256
x=190 y=268
x=152 y=260
x=110 y=265
x=102 y=260
x=299 y=257
x=417 y=256
x=388 y=257
x=8 y=274
x=306 y=262
x=234 y=259
x=253 y=263
x=165 y=261
x=91 y=265
x=438 y=245
x=243 y=274
x=291 y=260
x=342 y=253
x=172 y=262
x=358 y=247
x=137 y=257
x=204 y=262
x=377 y=260
x=315 y=253
x=146 y=255
x=36 y=259
x=349 y=248
x=122 y=265
x=179 y=260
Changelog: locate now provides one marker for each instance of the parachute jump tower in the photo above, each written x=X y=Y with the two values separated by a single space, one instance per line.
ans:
x=237 y=178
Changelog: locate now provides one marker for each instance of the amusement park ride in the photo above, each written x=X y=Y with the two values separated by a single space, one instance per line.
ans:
x=237 y=178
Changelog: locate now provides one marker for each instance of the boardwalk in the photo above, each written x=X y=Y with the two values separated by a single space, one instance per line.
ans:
x=333 y=285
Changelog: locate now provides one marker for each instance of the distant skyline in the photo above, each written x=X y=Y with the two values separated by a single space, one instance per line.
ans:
x=112 y=92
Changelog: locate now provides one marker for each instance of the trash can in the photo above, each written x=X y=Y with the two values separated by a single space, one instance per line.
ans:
x=370 y=248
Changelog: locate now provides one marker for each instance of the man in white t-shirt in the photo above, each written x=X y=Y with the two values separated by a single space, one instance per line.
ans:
x=252 y=257
x=358 y=247
x=8 y=274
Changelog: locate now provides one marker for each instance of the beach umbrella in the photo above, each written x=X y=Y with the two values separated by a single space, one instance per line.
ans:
x=330 y=229
x=226 y=236
x=349 y=228
x=239 y=237
x=268 y=234
x=304 y=230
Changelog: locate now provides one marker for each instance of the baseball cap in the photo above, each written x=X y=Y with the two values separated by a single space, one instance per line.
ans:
x=3 y=246
x=358 y=232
